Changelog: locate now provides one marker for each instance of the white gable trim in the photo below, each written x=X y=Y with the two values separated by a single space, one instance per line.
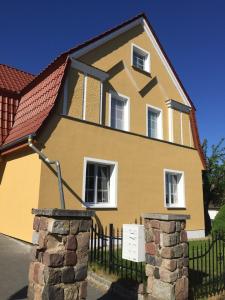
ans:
x=90 y=70
x=148 y=31
x=105 y=39
x=165 y=63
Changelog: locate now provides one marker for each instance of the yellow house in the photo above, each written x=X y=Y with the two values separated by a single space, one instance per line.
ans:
x=115 y=115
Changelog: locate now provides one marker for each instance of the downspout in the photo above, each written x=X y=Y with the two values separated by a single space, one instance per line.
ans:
x=50 y=162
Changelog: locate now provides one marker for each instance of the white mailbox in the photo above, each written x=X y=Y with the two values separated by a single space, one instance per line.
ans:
x=133 y=242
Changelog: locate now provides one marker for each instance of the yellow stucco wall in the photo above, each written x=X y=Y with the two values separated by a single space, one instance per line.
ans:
x=129 y=82
x=27 y=182
x=177 y=127
x=141 y=162
x=19 y=193
x=119 y=49
x=75 y=93
x=92 y=100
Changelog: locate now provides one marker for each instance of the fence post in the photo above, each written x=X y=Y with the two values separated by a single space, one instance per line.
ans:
x=58 y=269
x=110 y=247
x=166 y=251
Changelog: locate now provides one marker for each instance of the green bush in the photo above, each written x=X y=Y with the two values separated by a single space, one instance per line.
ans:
x=219 y=221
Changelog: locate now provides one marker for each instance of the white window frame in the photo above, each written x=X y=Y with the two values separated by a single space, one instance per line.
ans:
x=121 y=97
x=170 y=124
x=113 y=183
x=181 y=189
x=160 y=120
x=143 y=52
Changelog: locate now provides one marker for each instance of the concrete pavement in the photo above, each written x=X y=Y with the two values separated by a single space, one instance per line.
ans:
x=14 y=263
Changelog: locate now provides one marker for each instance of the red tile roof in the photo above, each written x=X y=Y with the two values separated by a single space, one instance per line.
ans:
x=8 y=108
x=12 y=79
x=36 y=104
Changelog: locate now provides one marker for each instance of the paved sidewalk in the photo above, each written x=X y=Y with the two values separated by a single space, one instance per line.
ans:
x=14 y=263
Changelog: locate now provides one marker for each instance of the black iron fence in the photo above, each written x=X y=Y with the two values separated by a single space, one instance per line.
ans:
x=106 y=253
x=206 y=261
x=207 y=267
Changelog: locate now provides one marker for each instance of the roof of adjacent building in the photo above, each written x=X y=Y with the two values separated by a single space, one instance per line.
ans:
x=13 y=80
x=36 y=104
x=37 y=95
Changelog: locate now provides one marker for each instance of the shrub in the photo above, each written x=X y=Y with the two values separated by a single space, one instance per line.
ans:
x=219 y=221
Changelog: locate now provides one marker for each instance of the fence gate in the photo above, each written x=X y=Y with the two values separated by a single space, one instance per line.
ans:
x=207 y=267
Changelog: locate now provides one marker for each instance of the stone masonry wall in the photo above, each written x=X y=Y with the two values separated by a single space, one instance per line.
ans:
x=59 y=261
x=166 y=257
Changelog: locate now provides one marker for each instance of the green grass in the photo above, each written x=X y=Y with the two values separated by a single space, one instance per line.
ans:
x=207 y=268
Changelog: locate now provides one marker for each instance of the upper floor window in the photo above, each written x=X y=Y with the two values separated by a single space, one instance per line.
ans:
x=154 y=122
x=140 y=58
x=174 y=188
x=119 y=112
x=99 y=183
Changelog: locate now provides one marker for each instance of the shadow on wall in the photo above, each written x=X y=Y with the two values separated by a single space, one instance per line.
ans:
x=94 y=56
x=21 y=294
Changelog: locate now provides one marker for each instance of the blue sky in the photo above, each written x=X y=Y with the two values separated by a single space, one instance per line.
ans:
x=192 y=33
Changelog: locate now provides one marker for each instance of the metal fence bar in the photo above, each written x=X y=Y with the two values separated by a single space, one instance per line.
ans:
x=110 y=247
x=206 y=260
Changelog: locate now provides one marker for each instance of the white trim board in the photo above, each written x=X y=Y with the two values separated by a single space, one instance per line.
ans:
x=106 y=38
x=90 y=70
x=170 y=124
x=178 y=106
x=181 y=128
x=165 y=62
x=110 y=36
x=84 y=97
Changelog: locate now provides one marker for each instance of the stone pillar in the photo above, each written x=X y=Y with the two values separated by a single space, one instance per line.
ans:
x=166 y=256
x=59 y=262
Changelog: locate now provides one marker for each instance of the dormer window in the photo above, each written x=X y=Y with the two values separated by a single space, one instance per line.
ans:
x=140 y=59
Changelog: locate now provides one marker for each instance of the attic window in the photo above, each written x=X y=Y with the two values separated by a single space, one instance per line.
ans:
x=140 y=59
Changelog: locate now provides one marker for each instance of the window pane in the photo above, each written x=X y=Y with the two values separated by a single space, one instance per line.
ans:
x=90 y=169
x=89 y=196
x=102 y=196
x=139 y=60
x=167 y=189
x=103 y=183
x=90 y=183
x=174 y=182
x=173 y=193
x=153 y=124
x=117 y=113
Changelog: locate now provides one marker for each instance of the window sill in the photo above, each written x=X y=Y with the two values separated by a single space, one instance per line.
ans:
x=155 y=138
x=175 y=207
x=100 y=206
x=142 y=71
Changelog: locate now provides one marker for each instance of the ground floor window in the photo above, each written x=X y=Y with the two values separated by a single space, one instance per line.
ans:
x=174 y=188
x=100 y=181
